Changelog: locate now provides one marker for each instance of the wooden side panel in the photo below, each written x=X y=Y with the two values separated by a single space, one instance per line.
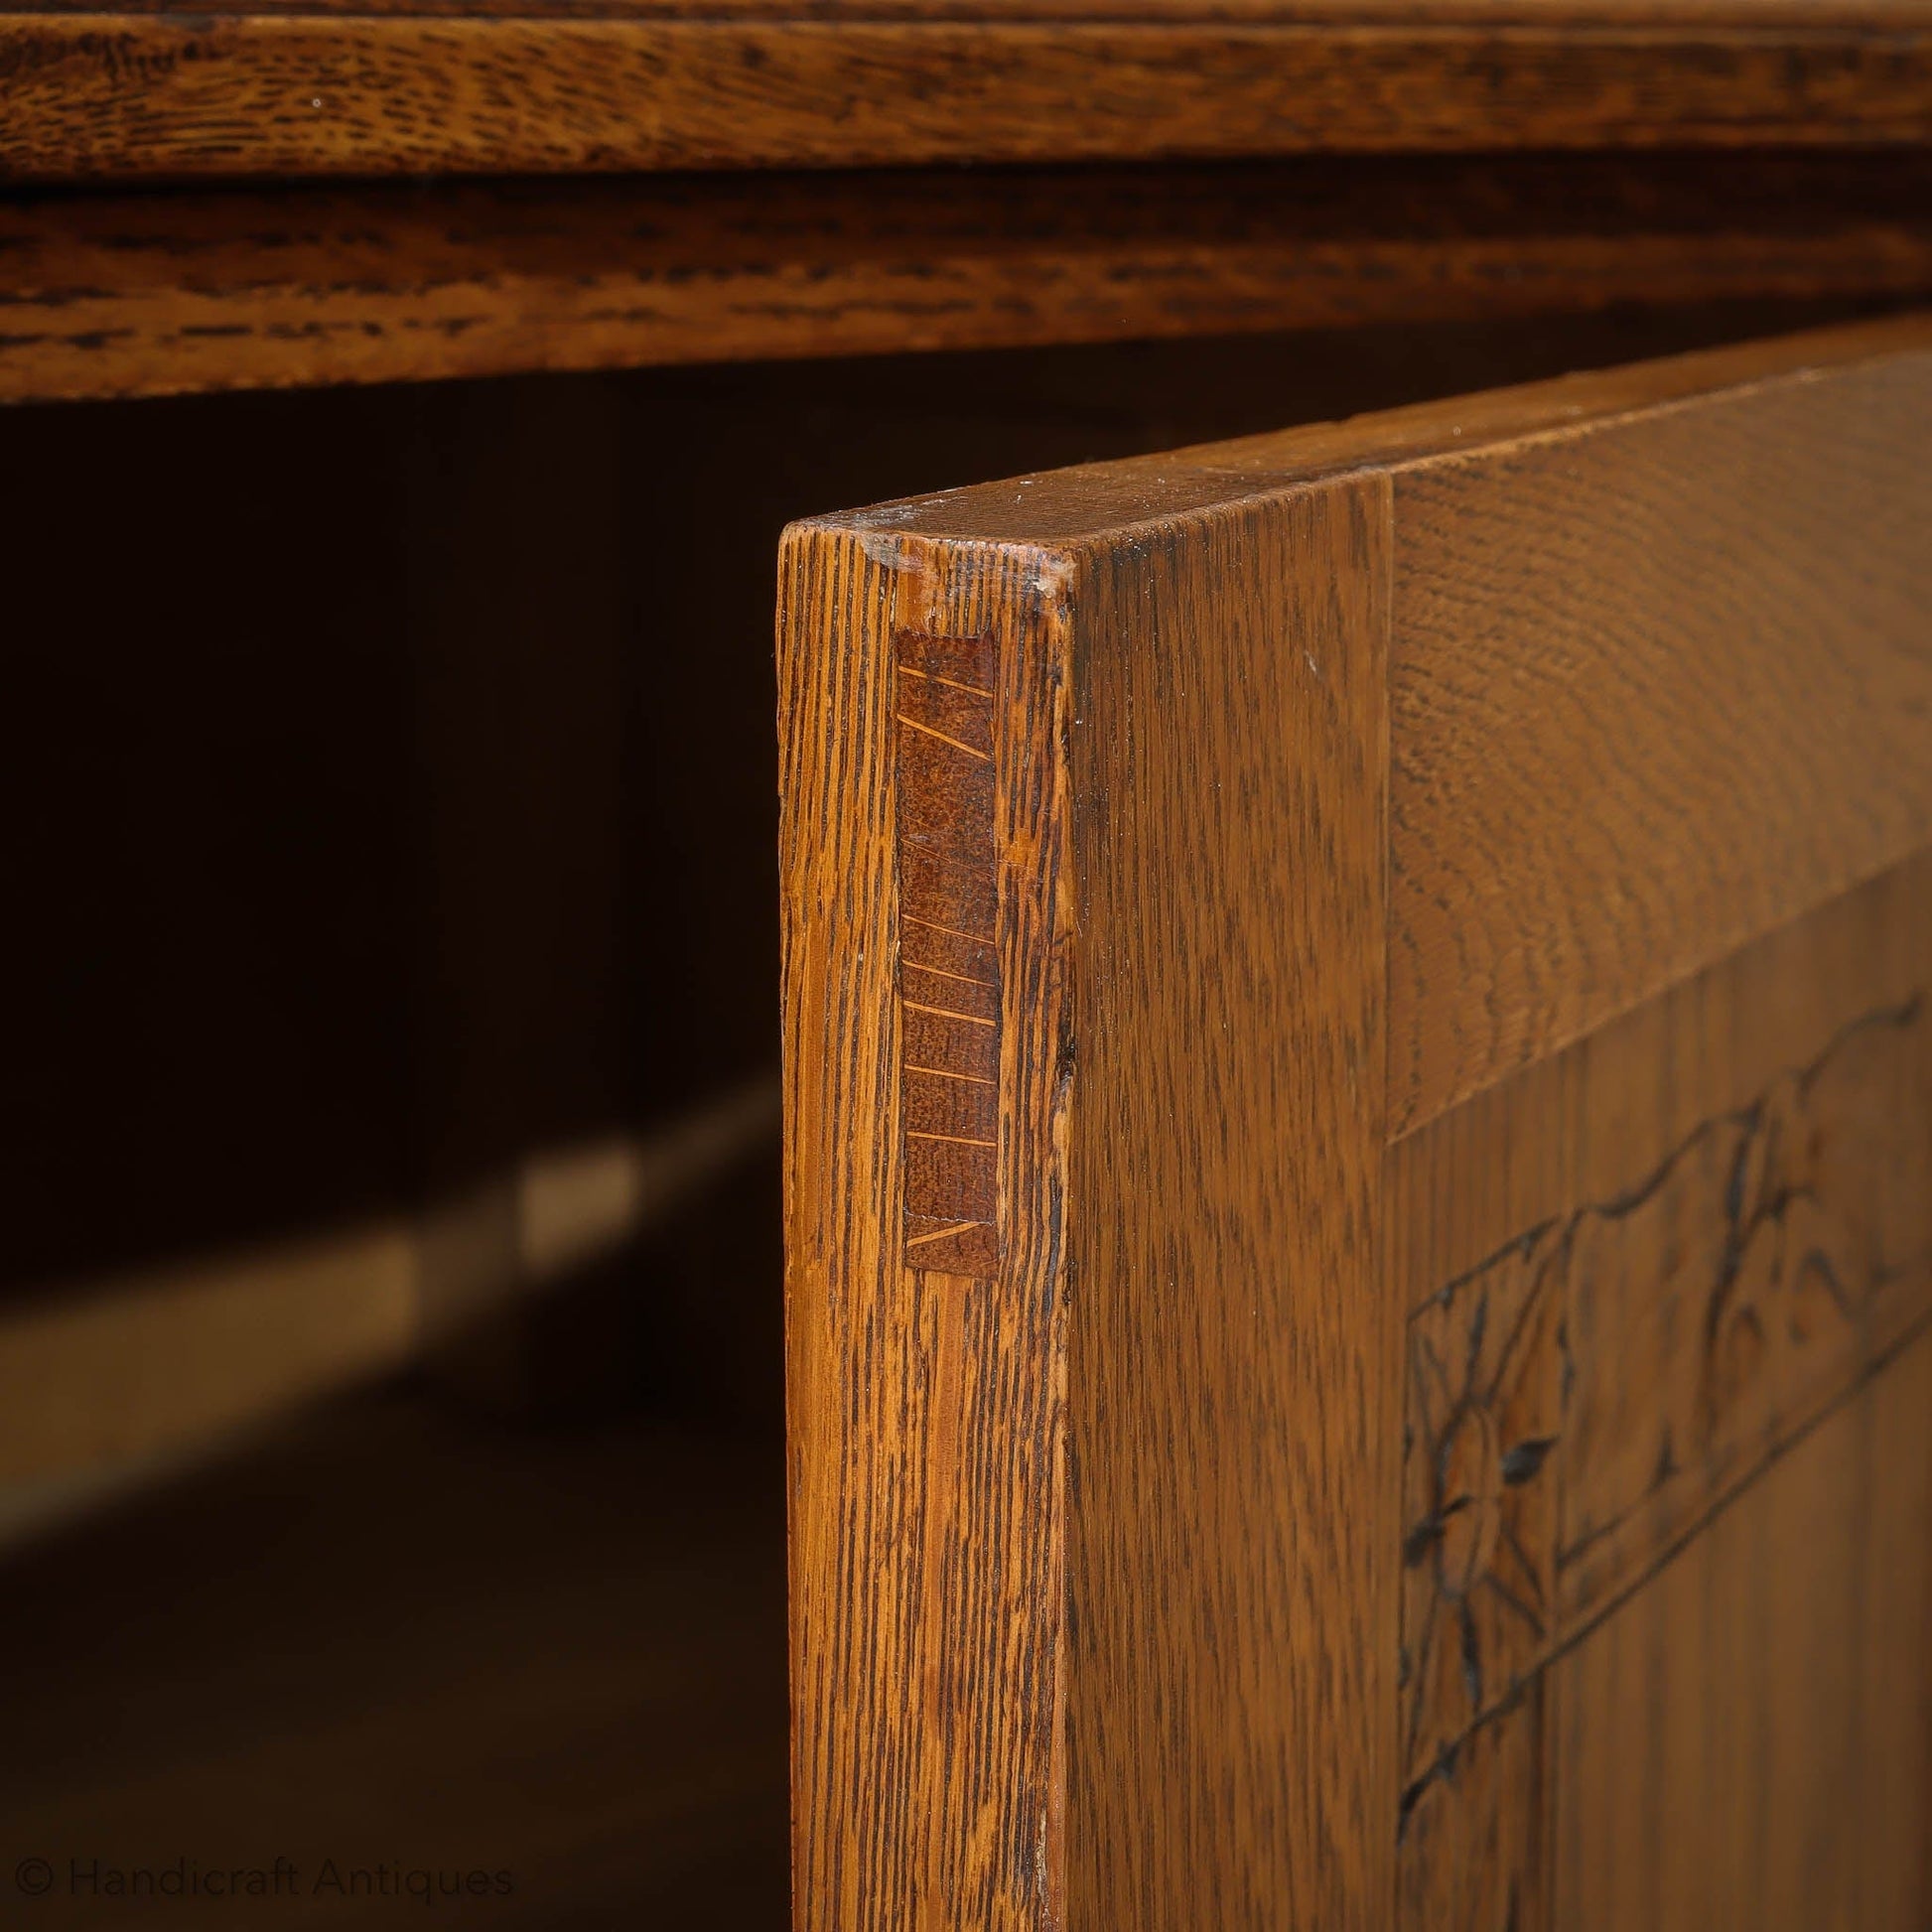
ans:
x=924 y=1408
x=1581 y=1402
x=1658 y=687
x=1115 y=1605
x=1579 y=1126
x=1474 y=1850
x=1092 y=1624
x=1720 y=1230
x=1745 y=1742
x=1232 y=1366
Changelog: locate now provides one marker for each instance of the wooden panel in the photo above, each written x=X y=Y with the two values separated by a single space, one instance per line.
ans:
x=1745 y=1743
x=1716 y=624
x=1741 y=1743
x=101 y=94
x=999 y=1721
x=925 y=1407
x=1084 y=1548
x=1714 y=1226
x=1473 y=1848
x=1231 y=1385
x=1090 y=499
x=1581 y=1401
x=1527 y=1152
x=235 y=289
x=1795 y=1243
x=1693 y=592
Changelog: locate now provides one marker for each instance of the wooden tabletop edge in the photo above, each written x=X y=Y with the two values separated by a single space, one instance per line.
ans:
x=106 y=97
x=1052 y=511
x=1568 y=17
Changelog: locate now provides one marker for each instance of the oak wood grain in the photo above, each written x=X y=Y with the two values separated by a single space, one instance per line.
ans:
x=988 y=1472
x=228 y=287
x=1573 y=13
x=925 y=1413
x=1586 y=1398
x=1664 y=1258
x=100 y=95
x=1715 y=624
x=1088 y=499
x=1581 y=1125
x=1693 y=592
x=1745 y=1742
x=1231 y=1394
x=1474 y=1851
x=1154 y=1689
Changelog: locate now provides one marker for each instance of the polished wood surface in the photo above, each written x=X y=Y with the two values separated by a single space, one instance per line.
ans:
x=220 y=288
x=1835 y=15
x=1561 y=630
x=104 y=94
x=1112 y=1605
x=1744 y=1743
x=1074 y=504
x=926 y=1626
x=1230 y=1434
x=1711 y=623
x=1642 y=1274
x=1474 y=1180
x=959 y=1669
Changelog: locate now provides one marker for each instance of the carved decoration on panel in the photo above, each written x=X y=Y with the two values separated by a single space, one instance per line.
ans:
x=1582 y=1401
x=1474 y=1851
x=1716 y=1313
x=1484 y=1402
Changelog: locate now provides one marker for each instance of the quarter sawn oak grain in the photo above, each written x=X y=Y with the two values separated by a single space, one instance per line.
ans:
x=1693 y=592
x=982 y=1624
x=1696 y=1237
x=231 y=288
x=104 y=95
x=925 y=1409
x=1714 y=624
x=1231 y=1395
x=1745 y=1742
x=1097 y=1562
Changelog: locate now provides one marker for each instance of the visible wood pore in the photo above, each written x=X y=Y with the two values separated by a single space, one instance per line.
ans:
x=1232 y=1369
x=1713 y=622
x=1175 y=1366
x=1581 y=1401
x=1745 y=1742
x=1463 y=1001
x=1722 y=1207
x=218 y=288
x=927 y=1402
x=104 y=95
